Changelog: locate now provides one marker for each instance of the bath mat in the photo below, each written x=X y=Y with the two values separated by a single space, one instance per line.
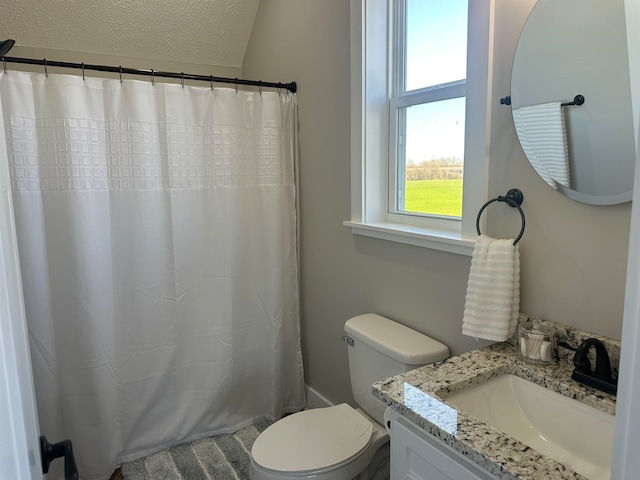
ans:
x=223 y=457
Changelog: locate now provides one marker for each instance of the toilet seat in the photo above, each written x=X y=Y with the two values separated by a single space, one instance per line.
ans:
x=312 y=441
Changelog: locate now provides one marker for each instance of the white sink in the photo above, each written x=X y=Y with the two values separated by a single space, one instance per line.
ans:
x=579 y=436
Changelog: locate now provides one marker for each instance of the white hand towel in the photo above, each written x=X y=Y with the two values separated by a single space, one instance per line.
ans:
x=492 y=303
x=542 y=134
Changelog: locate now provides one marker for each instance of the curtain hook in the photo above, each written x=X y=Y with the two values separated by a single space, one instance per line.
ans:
x=182 y=80
x=46 y=73
x=260 y=87
x=236 y=84
x=4 y=64
x=211 y=81
x=153 y=78
x=82 y=70
x=120 y=73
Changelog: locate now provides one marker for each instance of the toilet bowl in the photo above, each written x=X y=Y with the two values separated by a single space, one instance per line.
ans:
x=341 y=442
x=333 y=443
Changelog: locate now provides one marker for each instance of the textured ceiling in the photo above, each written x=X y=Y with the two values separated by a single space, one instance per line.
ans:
x=209 y=32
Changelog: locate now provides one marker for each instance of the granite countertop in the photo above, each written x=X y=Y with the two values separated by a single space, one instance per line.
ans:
x=418 y=396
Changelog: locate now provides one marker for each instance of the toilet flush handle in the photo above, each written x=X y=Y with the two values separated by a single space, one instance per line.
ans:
x=348 y=340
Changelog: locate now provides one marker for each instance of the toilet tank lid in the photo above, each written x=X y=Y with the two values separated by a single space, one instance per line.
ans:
x=395 y=340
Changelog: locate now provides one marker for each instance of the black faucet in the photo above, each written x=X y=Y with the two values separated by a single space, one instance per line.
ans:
x=600 y=378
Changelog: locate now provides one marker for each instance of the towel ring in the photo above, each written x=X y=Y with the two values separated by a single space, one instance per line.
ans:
x=513 y=198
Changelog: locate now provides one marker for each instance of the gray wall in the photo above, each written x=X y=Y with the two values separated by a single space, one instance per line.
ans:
x=573 y=256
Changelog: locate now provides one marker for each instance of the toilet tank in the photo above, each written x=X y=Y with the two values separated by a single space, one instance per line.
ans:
x=380 y=348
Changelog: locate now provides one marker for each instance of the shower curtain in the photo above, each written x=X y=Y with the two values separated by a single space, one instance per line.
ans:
x=157 y=238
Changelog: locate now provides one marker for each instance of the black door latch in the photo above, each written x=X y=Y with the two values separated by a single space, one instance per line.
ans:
x=49 y=452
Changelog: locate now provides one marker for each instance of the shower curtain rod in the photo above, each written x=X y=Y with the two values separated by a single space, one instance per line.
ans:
x=6 y=45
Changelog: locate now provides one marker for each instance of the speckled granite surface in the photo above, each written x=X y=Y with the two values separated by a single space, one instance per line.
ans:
x=418 y=395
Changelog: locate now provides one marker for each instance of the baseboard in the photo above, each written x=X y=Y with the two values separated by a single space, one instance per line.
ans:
x=315 y=399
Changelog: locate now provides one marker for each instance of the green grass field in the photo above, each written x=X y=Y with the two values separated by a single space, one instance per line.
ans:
x=436 y=197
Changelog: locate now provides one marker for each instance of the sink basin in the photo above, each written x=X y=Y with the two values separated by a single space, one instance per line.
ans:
x=574 y=434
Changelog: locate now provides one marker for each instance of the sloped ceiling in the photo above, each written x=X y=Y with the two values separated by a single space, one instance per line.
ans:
x=208 y=32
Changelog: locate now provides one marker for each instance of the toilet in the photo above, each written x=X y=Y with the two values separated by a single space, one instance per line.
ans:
x=341 y=442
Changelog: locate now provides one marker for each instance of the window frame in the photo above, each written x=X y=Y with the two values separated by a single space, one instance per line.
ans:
x=413 y=98
x=371 y=88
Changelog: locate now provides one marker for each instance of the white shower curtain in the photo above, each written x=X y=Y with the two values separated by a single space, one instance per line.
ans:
x=157 y=239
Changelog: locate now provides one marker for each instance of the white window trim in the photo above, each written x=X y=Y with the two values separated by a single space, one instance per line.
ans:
x=406 y=99
x=370 y=86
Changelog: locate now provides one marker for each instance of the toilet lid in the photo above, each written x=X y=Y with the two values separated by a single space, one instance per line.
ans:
x=312 y=440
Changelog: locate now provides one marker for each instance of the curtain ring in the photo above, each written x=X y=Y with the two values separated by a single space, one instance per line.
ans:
x=153 y=78
x=46 y=73
x=82 y=70
x=182 y=80
x=120 y=74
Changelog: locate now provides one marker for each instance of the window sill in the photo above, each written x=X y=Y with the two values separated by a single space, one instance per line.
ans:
x=419 y=237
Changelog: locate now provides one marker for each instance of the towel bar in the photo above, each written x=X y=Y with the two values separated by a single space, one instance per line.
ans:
x=577 y=100
x=513 y=198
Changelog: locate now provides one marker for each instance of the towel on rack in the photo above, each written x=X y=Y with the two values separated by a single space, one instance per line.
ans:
x=492 y=303
x=542 y=134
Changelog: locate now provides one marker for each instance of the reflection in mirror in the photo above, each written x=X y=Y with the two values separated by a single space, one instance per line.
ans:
x=569 y=48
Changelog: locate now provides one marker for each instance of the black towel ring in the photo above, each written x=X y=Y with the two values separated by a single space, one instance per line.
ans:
x=513 y=198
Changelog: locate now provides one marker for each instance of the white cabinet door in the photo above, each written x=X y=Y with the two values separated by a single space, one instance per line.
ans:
x=20 y=451
x=417 y=455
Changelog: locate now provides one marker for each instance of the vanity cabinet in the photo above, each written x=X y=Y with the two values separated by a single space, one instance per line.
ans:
x=416 y=454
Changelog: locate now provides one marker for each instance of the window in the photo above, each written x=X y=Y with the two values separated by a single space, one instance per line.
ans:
x=427 y=108
x=419 y=119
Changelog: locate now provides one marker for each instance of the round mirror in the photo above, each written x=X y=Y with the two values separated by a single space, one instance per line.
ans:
x=569 y=48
